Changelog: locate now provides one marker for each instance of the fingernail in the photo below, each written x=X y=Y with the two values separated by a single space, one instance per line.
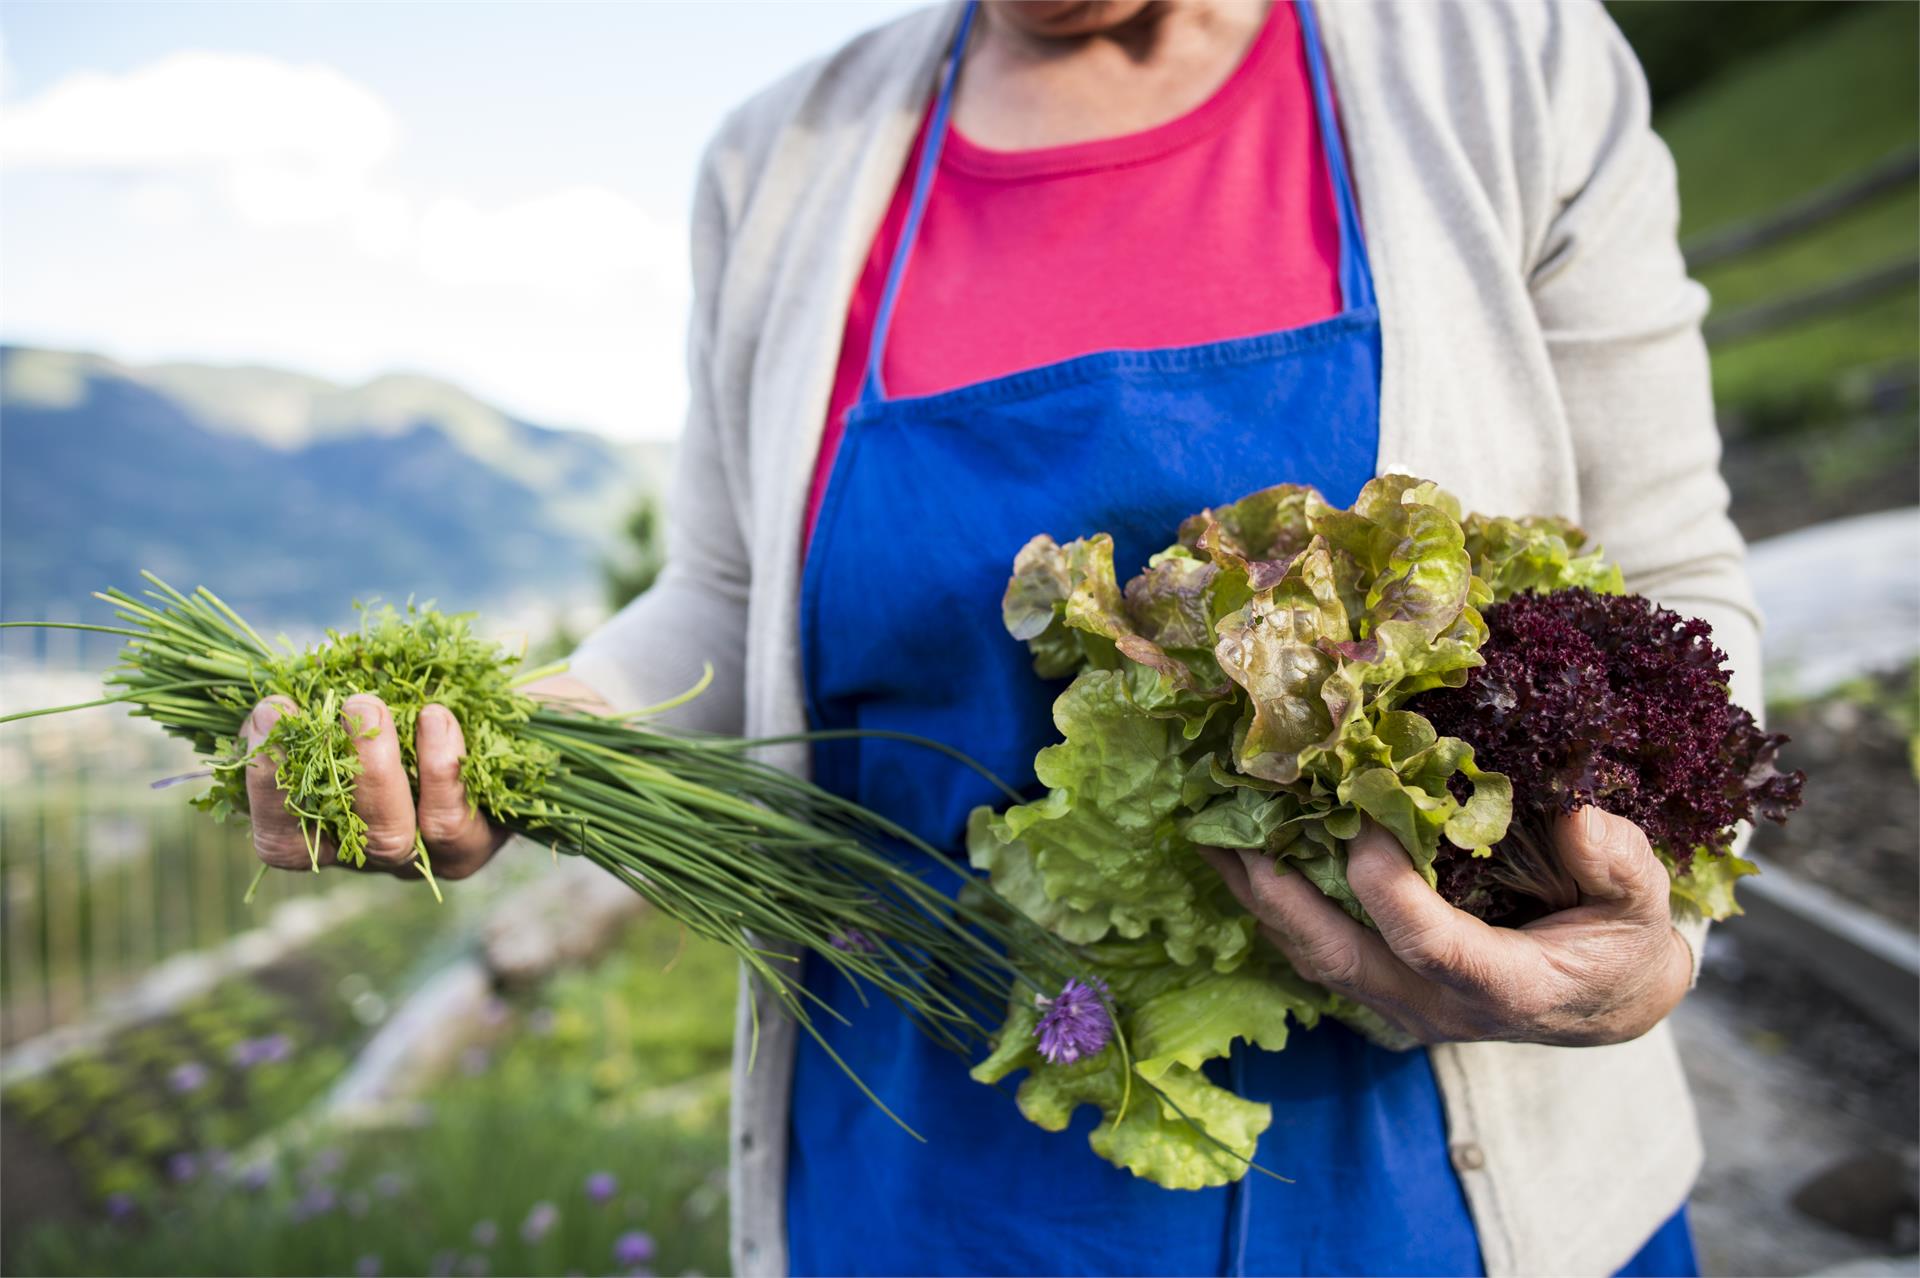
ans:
x=260 y=721
x=363 y=712
x=1593 y=823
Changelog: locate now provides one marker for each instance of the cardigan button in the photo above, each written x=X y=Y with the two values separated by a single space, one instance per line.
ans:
x=1468 y=1157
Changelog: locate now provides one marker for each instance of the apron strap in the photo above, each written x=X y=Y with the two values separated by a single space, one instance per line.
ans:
x=1356 y=277
x=874 y=389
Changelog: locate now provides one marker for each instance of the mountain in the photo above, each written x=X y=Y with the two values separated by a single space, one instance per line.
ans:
x=291 y=495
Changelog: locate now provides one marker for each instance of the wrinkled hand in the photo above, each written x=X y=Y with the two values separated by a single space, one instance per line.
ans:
x=458 y=839
x=1605 y=971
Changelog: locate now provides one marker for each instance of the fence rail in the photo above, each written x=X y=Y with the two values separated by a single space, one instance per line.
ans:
x=1826 y=299
x=101 y=877
x=1809 y=211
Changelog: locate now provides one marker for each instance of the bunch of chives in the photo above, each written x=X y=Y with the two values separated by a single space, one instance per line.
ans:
x=733 y=848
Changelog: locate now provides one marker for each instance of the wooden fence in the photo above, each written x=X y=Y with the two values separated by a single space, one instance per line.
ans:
x=1798 y=217
x=101 y=875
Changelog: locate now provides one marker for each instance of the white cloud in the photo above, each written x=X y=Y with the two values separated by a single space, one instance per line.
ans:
x=573 y=239
x=163 y=202
x=277 y=194
x=202 y=109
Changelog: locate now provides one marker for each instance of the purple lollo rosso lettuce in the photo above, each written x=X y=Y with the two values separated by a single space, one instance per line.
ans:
x=1281 y=673
x=1610 y=700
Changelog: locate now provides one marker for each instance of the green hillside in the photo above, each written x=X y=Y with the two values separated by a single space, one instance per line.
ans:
x=1812 y=110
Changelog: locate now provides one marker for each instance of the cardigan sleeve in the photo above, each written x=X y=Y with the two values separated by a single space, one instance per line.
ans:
x=1622 y=326
x=695 y=614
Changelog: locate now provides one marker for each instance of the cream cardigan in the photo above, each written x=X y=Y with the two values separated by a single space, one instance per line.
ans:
x=1541 y=354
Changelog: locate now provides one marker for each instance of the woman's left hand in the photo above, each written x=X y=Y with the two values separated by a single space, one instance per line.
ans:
x=1605 y=971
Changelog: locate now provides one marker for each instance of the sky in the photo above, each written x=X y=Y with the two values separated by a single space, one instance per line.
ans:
x=492 y=193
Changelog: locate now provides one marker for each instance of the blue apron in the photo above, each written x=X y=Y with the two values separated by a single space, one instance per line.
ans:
x=900 y=621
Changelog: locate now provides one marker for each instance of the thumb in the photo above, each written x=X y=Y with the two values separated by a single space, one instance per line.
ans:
x=1611 y=860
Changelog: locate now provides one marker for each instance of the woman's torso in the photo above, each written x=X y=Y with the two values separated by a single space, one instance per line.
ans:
x=1467 y=123
x=1214 y=240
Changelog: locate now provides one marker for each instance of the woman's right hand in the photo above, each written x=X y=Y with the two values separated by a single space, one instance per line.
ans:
x=458 y=839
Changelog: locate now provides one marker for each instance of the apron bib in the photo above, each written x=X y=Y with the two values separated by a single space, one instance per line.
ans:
x=928 y=501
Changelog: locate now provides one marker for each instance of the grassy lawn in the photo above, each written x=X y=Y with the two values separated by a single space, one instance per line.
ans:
x=1814 y=110
x=591 y=1136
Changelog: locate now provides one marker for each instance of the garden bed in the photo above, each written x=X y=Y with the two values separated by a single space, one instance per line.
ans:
x=1859 y=828
x=590 y=1138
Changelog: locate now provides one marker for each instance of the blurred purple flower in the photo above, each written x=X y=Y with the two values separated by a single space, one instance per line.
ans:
x=317 y=1201
x=219 y=1162
x=541 y=1218
x=442 y=1264
x=120 y=1206
x=475 y=1060
x=852 y=939
x=485 y=1233
x=474 y=1266
x=255 y=1177
x=183 y=1167
x=601 y=1187
x=389 y=1185
x=326 y=1163
x=188 y=1076
x=635 y=1247
x=495 y=1013
x=368 y=1266
x=270 y=1050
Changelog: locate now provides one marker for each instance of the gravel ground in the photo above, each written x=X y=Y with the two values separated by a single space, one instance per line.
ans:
x=1808 y=1110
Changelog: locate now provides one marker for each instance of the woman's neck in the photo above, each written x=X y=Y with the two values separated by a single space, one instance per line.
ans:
x=1019 y=91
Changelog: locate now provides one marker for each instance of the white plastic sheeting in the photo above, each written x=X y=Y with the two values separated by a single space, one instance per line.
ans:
x=1839 y=599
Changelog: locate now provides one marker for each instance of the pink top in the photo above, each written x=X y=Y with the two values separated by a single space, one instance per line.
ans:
x=1217 y=225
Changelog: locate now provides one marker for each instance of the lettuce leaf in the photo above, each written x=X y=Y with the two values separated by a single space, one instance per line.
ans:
x=1102 y=854
x=1161 y=1118
x=1251 y=687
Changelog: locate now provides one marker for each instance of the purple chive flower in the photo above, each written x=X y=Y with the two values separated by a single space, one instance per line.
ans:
x=601 y=1187
x=189 y=1076
x=1074 y=1024
x=326 y=1163
x=389 y=1185
x=270 y=1050
x=485 y=1233
x=183 y=1167
x=167 y=783
x=254 y=1177
x=368 y=1266
x=120 y=1206
x=495 y=1012
x=541 y=1218
x=635 y=1247
x=852 y=939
